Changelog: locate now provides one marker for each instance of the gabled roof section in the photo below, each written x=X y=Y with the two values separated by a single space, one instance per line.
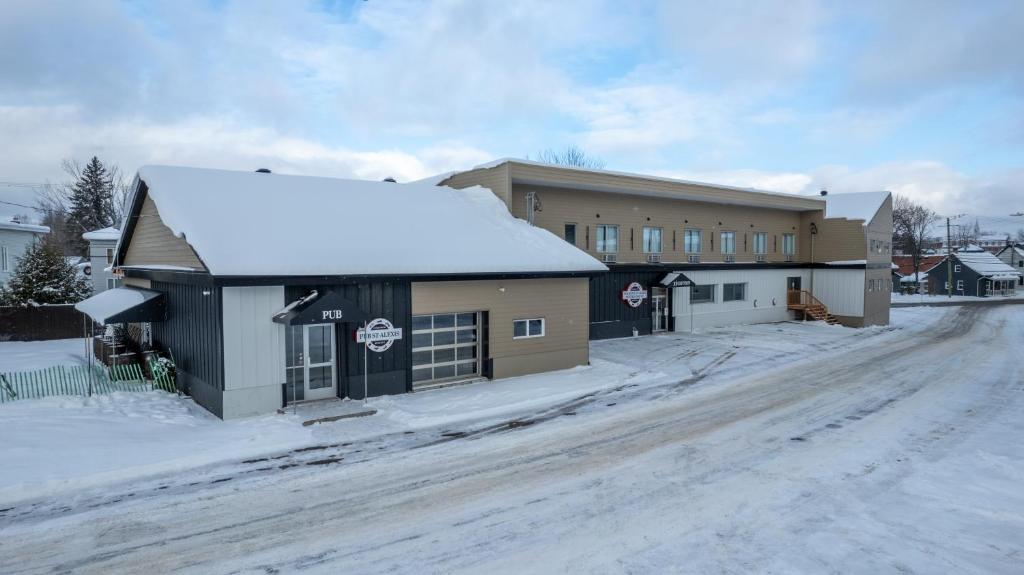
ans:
x=527 y=172
x=987 y=265
x=106 y=234
x=259 y=224
x=855 y=206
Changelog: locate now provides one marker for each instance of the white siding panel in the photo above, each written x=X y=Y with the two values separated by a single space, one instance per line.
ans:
x=253 y=344
x=765 y=299
x=842 y=291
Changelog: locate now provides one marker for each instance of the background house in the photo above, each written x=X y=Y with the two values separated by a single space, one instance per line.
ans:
x=101 y=256
x=15 y=239
x=1013 y=256
x=974 y=273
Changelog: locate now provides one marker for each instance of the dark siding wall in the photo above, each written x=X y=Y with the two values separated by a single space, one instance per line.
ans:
x=193 y=336
x=609 y=315
x=972 y=287
x=389 y=371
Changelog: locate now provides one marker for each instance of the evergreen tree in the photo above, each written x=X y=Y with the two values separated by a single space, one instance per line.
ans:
x=92 y=203
x=43 y=275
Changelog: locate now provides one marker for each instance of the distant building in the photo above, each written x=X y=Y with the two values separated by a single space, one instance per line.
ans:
x=974 y=273
x=101 y=255
x=1013 y=256
x=15 y=239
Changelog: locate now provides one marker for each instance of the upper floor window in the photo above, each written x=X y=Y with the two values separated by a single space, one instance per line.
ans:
x=691 y=241
x=956 y=269
x=760 y=243
x=608 y=239
x=728 y=242
x=789 y=244
x=110 y=256
x=652 y=240
x=570 y=233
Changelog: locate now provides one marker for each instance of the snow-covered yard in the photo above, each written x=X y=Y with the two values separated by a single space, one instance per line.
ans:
x=772 y=448
x=29 y=355
x=929 y=298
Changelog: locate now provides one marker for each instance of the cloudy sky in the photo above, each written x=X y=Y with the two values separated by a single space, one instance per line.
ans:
x=924 y=98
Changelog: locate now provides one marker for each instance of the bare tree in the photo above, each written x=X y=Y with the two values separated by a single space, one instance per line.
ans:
x=910 y=224
x=966 y=234
x=571 y=156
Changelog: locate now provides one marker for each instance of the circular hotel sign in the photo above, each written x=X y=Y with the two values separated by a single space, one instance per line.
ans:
x=634 y=294
x=379 y=335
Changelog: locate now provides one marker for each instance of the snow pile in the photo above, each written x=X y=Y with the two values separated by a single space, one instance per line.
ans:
x=255 y=224
x=859 y=206
x=106 y=234
x=987 y=265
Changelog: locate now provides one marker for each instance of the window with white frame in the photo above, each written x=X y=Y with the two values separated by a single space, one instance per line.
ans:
x=112 y=283
x=702 y=293
x=691 y=241
x=608 y=239
x=956 y=268
x=760 y=243
x=789 y=244
x=110 y=256
x=728 y=244
x=734 y=292
x=652 y=240
x=526 y=328
x=959 y=285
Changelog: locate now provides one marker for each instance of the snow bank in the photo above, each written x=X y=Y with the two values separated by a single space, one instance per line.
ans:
x=858 y=206
x=247 y=223
x=31 y=355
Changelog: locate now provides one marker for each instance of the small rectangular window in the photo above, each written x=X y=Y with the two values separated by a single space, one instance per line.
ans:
x=734 y=292
x=111 y=283
x=110 y=256
x=570 y=233
x=728 y=242
x=956 y=268
x=959 y=285
x=702 y=294
x=691 y=241
x=789 y=244
x=652 y=240
x=608 y=239
x=4 y=262
x=525 y=328
x=760 y=243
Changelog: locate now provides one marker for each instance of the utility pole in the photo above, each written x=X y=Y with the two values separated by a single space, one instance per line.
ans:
x=949 y=260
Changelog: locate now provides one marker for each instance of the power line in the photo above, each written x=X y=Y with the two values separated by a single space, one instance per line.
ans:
x=22 y=206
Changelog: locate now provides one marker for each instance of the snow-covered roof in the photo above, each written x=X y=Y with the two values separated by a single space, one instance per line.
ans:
x=914 y=278
x=1016 y=248
x=17 y=226
x=854 y=206
x=256 y=224
x=117 y=304
x=111 y=234
x=987 y=265
x=846 y=262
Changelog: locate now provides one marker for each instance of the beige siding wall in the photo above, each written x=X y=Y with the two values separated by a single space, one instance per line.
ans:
x=837 y=239
x=152 y=242
x=496 y=179
x=573 y=178
x=562 y=302
x=632 y=213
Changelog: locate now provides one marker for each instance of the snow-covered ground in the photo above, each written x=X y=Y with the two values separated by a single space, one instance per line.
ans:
x=773 y=448
x=28 y=355
x=928 y=298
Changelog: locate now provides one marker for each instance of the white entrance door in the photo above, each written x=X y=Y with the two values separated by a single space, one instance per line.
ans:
x=310 y=365
x=659 y=309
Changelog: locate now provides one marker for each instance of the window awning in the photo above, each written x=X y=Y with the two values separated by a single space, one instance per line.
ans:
x=676 y=279
x=316 y=307
x=125 y=305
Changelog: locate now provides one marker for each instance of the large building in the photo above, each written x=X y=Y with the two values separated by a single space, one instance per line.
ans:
x=256 y=283
x=749 y=255
x=15 y=239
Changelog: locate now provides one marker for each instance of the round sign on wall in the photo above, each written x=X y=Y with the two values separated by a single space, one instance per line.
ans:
x=379 y=335
x=634 y=294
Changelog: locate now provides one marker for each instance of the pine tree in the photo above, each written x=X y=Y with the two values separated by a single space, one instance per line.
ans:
x=42 y=275
x=92 y=203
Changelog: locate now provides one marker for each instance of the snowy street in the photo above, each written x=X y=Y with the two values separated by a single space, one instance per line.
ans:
x=854 y=451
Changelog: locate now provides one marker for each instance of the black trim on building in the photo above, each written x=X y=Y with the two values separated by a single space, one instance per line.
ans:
x=204 y=278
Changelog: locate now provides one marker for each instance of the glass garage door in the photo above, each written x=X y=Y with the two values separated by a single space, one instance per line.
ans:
x=444 y=347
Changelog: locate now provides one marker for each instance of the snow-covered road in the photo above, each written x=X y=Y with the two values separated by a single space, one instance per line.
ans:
x=902 y=455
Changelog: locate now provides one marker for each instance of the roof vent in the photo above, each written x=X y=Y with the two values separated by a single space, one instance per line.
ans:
x=263 y=171
x=390 y=179
x=824 y=192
